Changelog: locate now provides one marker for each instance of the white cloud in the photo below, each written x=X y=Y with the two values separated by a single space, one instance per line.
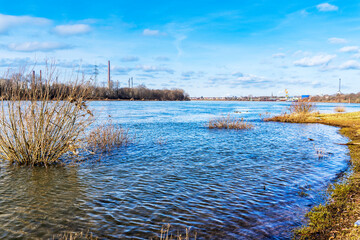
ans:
x=148 y=68
x=356 y=55
x=318 y=60
x=349 y=49
x=162 y=58
x=351 y=64
x=8 y=21
x=149 y=32
x=72 y=29
x=326 y=7
x=15 y=62
x=36 y=46
x=335 y=40
x=144 y=68
x=278 y=55
x=129 y=59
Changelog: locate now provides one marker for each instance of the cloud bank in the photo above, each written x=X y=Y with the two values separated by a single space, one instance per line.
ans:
x=74 y=29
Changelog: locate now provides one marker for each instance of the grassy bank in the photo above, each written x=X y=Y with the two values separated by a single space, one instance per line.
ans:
x=335 y=219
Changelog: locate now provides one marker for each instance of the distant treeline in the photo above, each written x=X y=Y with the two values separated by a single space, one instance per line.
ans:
x=140 y=92
x=22 y=84
x=343 y=98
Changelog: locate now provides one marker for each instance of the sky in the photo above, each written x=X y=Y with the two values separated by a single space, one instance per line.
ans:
x=208 y=48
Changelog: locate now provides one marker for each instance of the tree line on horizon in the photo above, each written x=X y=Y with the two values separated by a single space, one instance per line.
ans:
x=20 y=83
x=342 y=98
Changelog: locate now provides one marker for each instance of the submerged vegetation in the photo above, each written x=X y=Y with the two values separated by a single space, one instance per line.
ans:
x=229 y=122
x=335 y=219
x=75 y=236
x=165 y=235
x=108 y=136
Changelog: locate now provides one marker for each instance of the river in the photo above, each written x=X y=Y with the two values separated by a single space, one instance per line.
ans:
x=224 y=184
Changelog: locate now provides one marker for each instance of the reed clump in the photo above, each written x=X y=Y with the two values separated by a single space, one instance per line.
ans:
x=165 y=235
x=107 y=136
x=40 y=124
x=229 y=122
x=75 y=236
x=339 y=109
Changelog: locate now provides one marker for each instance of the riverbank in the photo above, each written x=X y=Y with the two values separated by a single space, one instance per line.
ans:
x=335 y=219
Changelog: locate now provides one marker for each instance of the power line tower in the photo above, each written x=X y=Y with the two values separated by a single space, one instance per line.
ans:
x=339 y=92
x=96 y=73
x=109 y=80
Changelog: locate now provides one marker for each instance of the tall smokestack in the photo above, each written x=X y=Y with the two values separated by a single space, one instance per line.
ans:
x=109 y=74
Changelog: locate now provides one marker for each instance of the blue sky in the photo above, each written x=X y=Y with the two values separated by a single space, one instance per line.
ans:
x=208 y=48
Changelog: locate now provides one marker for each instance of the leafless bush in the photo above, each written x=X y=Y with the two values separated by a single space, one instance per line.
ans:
x=302 y=107
x=39 y=124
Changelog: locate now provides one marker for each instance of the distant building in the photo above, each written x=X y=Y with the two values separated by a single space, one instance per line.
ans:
x=305 y=96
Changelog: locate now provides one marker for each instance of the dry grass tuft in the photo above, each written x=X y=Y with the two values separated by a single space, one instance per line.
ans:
x=340 y=109
x=298 y=112
x=165 y=234
x=75 y=236
x=229 y=122
x=108 y=136
x=40 y=124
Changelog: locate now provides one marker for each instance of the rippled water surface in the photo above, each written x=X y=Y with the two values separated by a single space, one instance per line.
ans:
x=224 y=184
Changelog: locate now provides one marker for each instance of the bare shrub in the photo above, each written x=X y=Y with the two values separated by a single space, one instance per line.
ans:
x=40 y=120
x=229 y=122
x=107 y=136
x=302 y=107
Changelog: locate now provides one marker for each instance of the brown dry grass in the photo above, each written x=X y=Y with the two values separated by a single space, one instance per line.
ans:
x=108 y=136
x=229 y=122
x=340 y=109
x=39 y=126
x=74 y=236
x=302 y=107
x=298 y=112
x=165 y=235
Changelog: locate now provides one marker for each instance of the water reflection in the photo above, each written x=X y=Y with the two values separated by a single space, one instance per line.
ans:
x=38 y=202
